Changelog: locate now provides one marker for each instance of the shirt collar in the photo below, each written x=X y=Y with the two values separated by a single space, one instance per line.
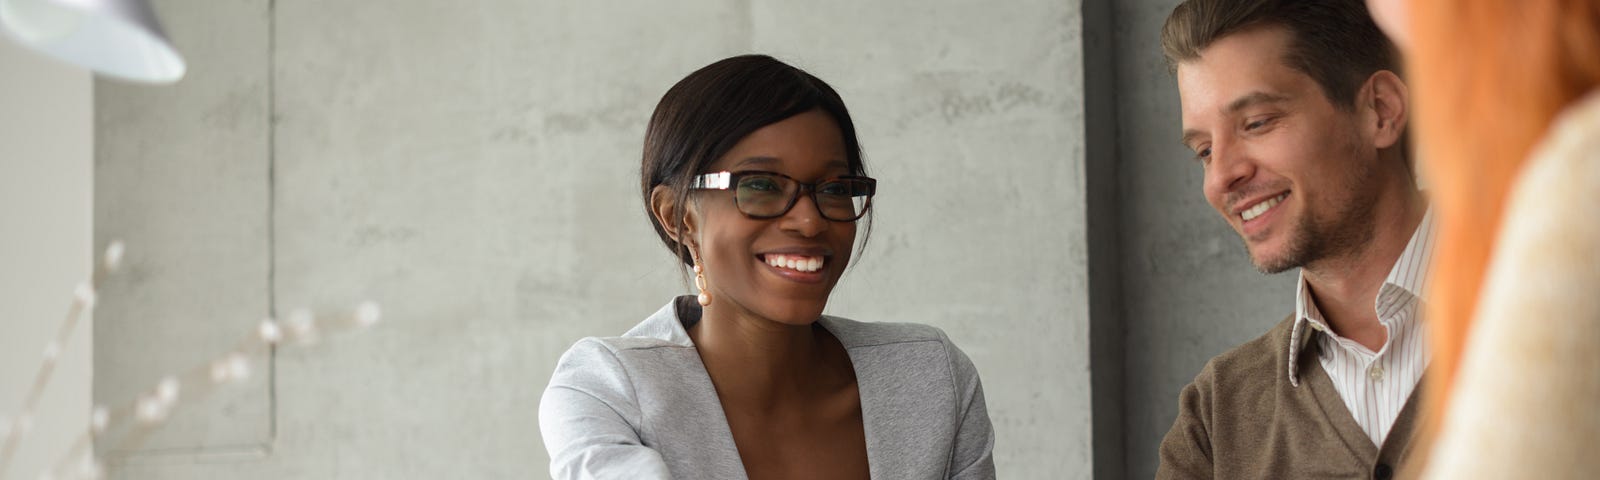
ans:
x=1409 y=276
x=1410 y=271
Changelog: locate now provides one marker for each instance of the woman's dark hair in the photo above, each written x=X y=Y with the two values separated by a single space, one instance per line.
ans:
x=709 y=111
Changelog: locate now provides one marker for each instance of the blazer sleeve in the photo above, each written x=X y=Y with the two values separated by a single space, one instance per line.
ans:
x=973 y=455
x=590 y=419
x=1186 y=450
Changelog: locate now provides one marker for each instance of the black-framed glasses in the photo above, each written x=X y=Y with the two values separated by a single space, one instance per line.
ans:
x=770 y=194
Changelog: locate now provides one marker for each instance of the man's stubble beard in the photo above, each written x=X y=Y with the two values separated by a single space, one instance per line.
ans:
x=1314 y=239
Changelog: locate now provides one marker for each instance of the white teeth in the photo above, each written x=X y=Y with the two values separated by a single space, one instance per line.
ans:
x=1262 y=207
x=794 y=262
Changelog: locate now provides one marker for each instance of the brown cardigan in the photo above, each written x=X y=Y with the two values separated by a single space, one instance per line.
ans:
x=1241 y=418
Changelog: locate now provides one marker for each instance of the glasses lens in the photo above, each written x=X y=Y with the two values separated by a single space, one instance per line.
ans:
x=844 y=199
x=764 y=195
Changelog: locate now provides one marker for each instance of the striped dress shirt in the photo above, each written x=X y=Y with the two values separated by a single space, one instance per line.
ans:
x=1376 y=385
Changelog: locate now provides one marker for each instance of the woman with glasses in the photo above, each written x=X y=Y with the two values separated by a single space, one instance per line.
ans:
x=753 y=177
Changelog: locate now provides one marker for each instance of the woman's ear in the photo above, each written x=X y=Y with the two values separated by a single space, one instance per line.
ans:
x=664 y=205
x=1389 y=103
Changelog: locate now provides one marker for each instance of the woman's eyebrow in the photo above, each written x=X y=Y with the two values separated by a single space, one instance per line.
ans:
x=770 y=161
x=763 y=161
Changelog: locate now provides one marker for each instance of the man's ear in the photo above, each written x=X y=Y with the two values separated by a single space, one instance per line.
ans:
x=664 y=205
x=1388 y=103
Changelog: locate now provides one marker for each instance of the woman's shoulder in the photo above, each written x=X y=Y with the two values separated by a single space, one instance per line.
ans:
x=856 y=335
x=1544 y=256
x=603 y=348
x=1531 y=345
x=853 y=333
x=1566 y=163
x=651 y=344
x=1544 y=232
x=661 y=329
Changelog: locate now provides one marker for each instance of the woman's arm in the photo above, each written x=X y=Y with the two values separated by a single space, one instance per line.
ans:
x=589 y=417
x=973 y=455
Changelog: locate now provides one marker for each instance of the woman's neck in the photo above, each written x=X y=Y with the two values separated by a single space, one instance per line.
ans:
x=762 y=361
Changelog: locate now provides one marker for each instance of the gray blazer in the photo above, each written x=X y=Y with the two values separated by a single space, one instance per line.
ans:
x=641 y=406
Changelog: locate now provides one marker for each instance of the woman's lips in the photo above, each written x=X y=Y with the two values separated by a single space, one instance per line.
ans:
x=799 y=263
x=799 y=268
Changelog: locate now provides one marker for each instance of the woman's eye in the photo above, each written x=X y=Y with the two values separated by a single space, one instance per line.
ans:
x=760 y=184
x=834 y=188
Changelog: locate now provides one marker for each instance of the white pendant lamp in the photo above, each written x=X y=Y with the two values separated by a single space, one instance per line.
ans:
x=117 y=38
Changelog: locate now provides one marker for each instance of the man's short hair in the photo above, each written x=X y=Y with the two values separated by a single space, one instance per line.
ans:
x=1335 y=42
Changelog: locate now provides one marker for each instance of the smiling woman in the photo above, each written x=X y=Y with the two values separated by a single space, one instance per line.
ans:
x=753 y=177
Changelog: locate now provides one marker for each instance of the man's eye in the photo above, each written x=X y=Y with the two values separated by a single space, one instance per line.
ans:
x=1257 y=124
x=1203 y=154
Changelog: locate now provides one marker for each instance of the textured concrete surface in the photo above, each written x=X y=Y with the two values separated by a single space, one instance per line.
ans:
x=1189 y=292
x=1106 y=327
x=971 y=115
x=473 y=167
x=46 y=186
x=181 y=176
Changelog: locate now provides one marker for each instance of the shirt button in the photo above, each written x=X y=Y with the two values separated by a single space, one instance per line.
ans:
x=1382 y=472
x=1375 y=373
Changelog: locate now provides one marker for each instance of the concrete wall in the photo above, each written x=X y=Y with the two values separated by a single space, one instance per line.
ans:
x=181 y=177
x=1107 y=331
x=472 y=166
x=46 y=138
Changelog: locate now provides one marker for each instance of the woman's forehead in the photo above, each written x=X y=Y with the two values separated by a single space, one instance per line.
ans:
x=805 y=143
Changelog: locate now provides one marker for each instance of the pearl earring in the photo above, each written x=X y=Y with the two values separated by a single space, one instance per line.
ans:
x=700 y=282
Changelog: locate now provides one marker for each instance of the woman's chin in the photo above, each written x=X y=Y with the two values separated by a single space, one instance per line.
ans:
x=794 y=312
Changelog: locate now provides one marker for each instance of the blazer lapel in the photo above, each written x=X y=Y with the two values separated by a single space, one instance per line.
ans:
x=898 y=411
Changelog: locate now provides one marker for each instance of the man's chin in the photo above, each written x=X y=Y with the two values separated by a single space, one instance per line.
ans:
x=1270 y=262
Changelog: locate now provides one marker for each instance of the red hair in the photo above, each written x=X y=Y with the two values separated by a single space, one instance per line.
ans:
x=1489 y=77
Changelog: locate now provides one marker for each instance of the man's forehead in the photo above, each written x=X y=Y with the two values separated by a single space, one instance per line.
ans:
x=1259 y=43
x=1231 y=75
x=1249 y=55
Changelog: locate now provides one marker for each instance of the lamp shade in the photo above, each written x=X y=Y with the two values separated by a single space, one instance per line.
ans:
x=117 y=38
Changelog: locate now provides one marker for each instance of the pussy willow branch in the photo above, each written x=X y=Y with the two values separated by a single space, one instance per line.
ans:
x=151 y=409
x=198 y=382
x=83 y=299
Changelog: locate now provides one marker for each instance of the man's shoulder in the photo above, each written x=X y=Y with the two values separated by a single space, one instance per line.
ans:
x=1261 y=361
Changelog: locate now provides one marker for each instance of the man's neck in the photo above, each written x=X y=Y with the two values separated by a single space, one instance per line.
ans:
x=1345 y=288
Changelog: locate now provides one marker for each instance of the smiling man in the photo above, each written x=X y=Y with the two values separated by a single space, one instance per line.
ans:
x=1295 y=113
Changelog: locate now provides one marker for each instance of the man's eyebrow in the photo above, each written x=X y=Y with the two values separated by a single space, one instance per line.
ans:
x=1252 y=99
x=1189 y=136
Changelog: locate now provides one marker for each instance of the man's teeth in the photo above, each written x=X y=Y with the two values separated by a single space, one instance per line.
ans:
x=1262 y=207
x=795 y=262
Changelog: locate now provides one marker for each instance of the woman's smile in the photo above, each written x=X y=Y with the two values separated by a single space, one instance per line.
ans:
x=803 y=268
